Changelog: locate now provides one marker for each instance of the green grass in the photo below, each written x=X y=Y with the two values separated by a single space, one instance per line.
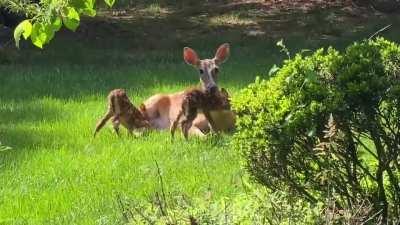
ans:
x=56 y=173
x=50 y=101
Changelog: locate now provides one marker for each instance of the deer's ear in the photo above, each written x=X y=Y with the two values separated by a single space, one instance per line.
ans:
x=190 y=56
x=222 y=53
x=225 y=92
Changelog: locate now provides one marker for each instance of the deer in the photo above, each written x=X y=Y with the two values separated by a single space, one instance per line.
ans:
x=161 y=110
x=122 y=111
x=197 y=100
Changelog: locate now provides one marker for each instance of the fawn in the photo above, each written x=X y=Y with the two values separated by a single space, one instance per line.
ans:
x=197 y=100
x=163 y=109
x=122 y=111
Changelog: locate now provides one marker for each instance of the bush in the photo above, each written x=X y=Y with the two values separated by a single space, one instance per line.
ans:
x=326 y=126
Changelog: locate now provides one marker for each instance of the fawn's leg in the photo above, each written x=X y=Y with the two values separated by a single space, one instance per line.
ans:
x=102 y=122
x=115 y=122
x=190 y=115
x=174 y=125
x=210 y=120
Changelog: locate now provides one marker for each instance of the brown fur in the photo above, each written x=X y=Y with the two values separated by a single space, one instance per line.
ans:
x=162 y=109
x=197 y=100
x=122 y=111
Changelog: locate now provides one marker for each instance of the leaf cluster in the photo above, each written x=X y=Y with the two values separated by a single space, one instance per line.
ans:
x=46 y=17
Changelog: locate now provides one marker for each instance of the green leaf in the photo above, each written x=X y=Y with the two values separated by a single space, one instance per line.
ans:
x=49 y=30
x=71 y=18
x=288 y=79
x=305 y=51
x=312 y=132
x=89 y=12
x=312 y=76
x=89 y=8
x=109 y=2
x=17 y=36
x=25 y=29
x=56 y=24
x=288 y=117
x=273 y=70
x=42 y=33
x=280 y=43
x=39 y=35
x=85 y=7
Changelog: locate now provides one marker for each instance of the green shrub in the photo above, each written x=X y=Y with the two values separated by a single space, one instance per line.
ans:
x=289 y=145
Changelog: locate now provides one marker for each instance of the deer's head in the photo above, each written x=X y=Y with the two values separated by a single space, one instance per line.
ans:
x=208 y=68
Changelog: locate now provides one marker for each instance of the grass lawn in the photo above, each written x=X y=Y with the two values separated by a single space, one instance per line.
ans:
x=50 y=101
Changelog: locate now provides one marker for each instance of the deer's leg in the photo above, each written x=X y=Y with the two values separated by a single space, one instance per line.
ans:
x=210 y=120
x=191 y=114
x=102 y=122
x=116 y=123
x=130 y=132
x=174 y=125
x=186 y=124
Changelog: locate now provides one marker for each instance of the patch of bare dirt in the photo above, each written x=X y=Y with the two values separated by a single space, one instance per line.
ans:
x=304 y=5
x=159 y=26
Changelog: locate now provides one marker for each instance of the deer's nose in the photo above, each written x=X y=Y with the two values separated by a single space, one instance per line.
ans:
x=212 y=89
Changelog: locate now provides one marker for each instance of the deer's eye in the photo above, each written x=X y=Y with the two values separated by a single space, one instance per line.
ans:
x=201 y=71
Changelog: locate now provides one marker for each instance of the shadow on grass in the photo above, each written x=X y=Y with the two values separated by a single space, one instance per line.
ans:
x=22 y=141
x=27 y=125
x=158 y=34
x=141 y=79
x=20 y=138
x=140 y=49
x=20 y=125
x=28 y=112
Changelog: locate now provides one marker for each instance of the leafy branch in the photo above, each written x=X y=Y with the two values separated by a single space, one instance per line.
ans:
x=25 y=7
x=283 y=48
x=47 y=17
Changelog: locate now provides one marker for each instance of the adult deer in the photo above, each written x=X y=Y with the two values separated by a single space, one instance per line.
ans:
x=162 y=109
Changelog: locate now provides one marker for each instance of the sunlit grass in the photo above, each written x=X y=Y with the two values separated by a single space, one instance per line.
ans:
x=156 y=9
x=231 y=20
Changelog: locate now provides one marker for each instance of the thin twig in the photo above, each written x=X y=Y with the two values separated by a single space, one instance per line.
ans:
x=373 y=216
x=379 y=31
